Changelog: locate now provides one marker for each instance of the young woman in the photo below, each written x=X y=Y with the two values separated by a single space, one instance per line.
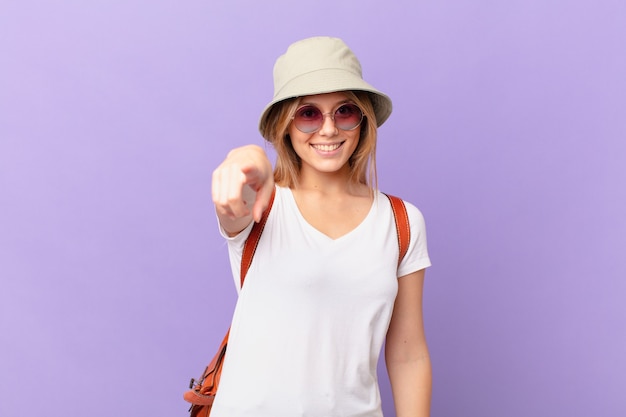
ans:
x=325 y=288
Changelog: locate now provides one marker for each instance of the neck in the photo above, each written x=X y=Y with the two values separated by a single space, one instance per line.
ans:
x=330 y=183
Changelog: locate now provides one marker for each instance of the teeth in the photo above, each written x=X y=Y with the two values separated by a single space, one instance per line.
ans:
x=327 y=148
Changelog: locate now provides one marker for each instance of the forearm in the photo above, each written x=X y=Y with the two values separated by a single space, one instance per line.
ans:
x=411 y=384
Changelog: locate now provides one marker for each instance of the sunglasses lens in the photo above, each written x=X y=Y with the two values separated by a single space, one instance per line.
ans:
x=308 y=119
x=348 y=117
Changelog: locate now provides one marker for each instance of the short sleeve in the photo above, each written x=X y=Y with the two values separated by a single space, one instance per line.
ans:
x=235 y=250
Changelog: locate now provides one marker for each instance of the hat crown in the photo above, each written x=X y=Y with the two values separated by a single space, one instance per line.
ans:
x=314 y=54
x=321 y=65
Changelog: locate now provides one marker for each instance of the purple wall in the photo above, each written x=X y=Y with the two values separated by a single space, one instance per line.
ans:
x=509 y=132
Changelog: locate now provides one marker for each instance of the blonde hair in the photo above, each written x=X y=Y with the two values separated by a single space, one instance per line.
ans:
x=287 y=169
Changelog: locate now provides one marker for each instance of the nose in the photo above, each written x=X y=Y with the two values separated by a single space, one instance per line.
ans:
x=328 y=125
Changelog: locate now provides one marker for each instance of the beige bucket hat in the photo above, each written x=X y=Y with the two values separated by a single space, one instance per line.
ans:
x=321 y=65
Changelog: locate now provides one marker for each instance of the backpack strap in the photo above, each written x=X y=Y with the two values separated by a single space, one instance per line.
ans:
x=403 y=227
x=253 y=240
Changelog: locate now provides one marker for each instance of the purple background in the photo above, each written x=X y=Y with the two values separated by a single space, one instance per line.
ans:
x=508 y=131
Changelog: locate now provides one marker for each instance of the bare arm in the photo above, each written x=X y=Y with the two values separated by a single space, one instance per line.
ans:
x=241 y=188
x=406 y=351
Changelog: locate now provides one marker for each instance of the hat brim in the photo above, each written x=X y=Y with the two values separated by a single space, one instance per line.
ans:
x=329 y=81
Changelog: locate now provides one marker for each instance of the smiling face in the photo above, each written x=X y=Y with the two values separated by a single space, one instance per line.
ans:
x=328 y=149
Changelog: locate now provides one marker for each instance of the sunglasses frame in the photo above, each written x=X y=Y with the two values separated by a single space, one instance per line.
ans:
x=329 y=114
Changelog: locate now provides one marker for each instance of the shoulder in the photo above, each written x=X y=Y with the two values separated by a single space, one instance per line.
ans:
x=416 y=218
x=283 y=193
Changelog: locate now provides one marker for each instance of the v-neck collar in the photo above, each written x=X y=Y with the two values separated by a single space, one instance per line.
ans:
x=322 y=235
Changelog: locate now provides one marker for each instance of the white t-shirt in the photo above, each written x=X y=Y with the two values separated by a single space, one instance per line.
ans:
x=313 y=314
